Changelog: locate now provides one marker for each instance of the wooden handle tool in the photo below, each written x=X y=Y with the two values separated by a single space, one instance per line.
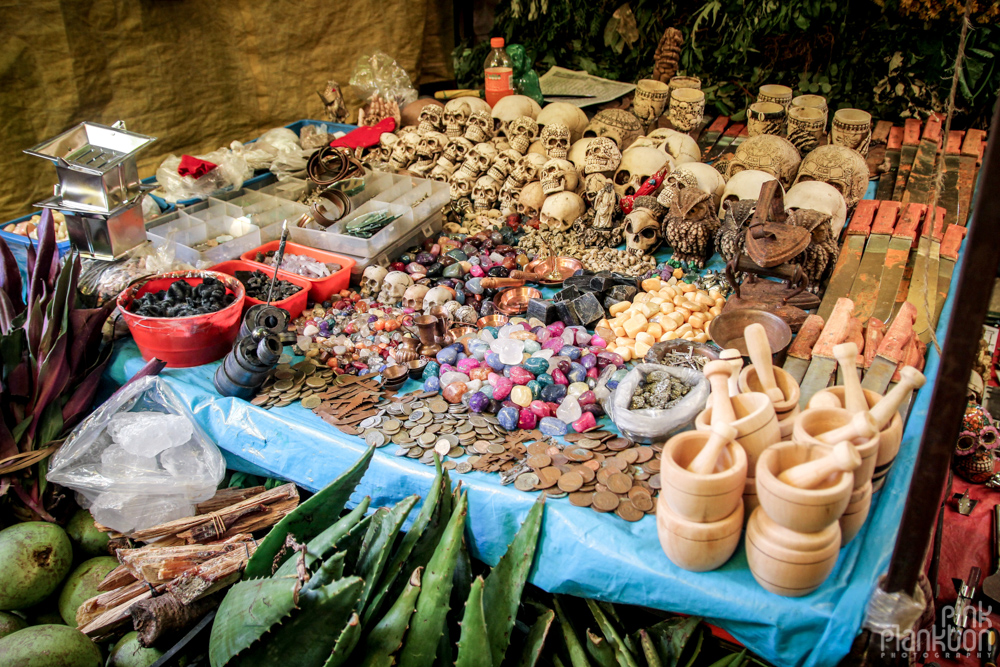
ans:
x=843 y=458
x=735 y=360
x=718 y=373
x=862 y=425
x=704 y=463
x=910 y=380
x=854 y=395
x=760 y=356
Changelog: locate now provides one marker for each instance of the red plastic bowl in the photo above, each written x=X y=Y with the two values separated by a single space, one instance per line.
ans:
x=183 y=342
x=294 y=304
x=322 y=288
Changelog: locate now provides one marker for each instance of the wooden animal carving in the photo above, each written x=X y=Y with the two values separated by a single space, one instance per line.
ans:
x=691 y=225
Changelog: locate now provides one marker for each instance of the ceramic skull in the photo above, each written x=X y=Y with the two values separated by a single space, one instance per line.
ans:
x=371 y=280
x=466 y=314
x=441 y=172
x=479 y=127
x=393 y=287
x=457 y=150
x=386 y=142
x=530 y=200
x=593 y=185
x=767 y=152
x=557 y=176
x=413 y=297
x=485 y=193
x=745 y=185
x=432 y=143
x=456 y=114
x=677 y=145
x=521 y=132
x=503 y=165
x=555 y=138
x=700 y=175
x=422 y=167
x=602 y=156
x=431 y=118
x=461 y=185
x=404 y=153
x=638 y=164
x=570 y=115
x=822 y=197
x=436 y=296
x=478 y=160
x=618 y=125
x=526 y=169
x=561 y=210
x=843 y=168
x=642 y=226
x=578 y=154
x=512 y=106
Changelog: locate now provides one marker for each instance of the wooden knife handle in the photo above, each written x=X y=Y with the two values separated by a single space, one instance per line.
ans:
x=874 y=333
x=836 y=329
x=932 y=130
x=885 y=221
x=910 y=220
x=719 y=124
x=895 y=140
x=897 y=338
x=801 y=347
x=952 y=241
x=973 y=143
x=861 y=221
x=954 y=144
x=911 y=132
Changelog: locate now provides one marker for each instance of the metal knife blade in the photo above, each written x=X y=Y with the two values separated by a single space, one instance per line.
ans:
x=948 y=197
x=824 y=365
x=950 y=246
x=800 y=351
x=877 y=148
x=920 y=186
x=896 y=259
x=864 y=289
x=724 y=142
x=891 y=350
x=908 y=150
x=849 y=259
x=923 y=284
x=971 y=149
x=711 y=135
x=887 y=180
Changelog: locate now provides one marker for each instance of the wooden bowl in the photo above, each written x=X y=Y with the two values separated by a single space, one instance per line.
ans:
x=856 y=513
x=756 y=425
x=784 y=408
x=787 y=423
x=698 y=547
x=701 y=498
x=750 y=499
x=786 y=562
x=889 y=439
x=727 y=331
x=817 y=421
x=802 y=510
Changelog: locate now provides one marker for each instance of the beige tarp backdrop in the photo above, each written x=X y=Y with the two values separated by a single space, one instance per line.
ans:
x=197 y=75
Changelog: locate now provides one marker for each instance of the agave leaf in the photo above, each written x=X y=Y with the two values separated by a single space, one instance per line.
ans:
x=346 y=642
x=331 y=570
x=306 y=520
x=631 y=643
x=649 y=650
x=673 y=636
x=249 y=610
x=600 y=650
x=374 y=528
x=56 y=313
x=473 y=644
x=387 y=636
x=577 y=654
x=10 y=278
x=320 y=547
x=462 y=584
x=33 y=328
x=535 y=641
x=373 y=559
x=502 y=593
x=623 y=655
x=51 y=424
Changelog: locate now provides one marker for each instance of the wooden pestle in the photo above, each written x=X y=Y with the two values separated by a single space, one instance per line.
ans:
x=720 y=436
x=718 y=373
x=735 y=359
x=910 y=380
x=760 y=357
x=843 y=458
x=854 y=395
x=862 y=425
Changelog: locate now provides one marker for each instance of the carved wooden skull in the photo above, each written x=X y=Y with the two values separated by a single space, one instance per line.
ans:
x=526 y=169
x=560 y=211
x=393 y=287
x=461 y=185
x=371 y=280
x=843 y=168
x=558 y=175
x=456 y=114
x=521 y=132
x=478 y=160
x=555 y=138
x=431 y=118
x=503 y=165
x=413 y=297
x=479 y=127
x=642 y=227
x=485 y=193
x=404 y=153
x=432 y=143
x=602 y=156
x=530 y=200
x=638 y=164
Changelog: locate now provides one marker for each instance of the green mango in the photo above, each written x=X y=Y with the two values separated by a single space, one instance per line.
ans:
x=128 y=652
x=36 y=557
x=49 y=646
x=82 y=585
x=84 y=534
x=9 y=624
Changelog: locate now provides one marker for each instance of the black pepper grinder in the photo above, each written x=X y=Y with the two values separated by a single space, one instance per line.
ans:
x=278 y=258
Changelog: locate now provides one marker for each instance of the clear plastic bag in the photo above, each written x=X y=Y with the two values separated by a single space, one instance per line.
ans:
x=140 y=459
x=649 y=426
x=377 y=73
x=106 y=279
x=230 y=172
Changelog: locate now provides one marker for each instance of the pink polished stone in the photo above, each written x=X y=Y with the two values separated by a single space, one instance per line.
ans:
x=453 y=392
x=592 y=373
x=447 y=368
x=552 y=408
x=581 y=337
x=585 y=423
x=555 y=344
x=477 y=271
x=586 y=398
x=501 y=387
x=467 y=364
x=520 y=376
x=598 y=342
x=556 y=328
x=540 y=408
x=543 y=335
x=558 y=377
x=527 y=419
x=436 y=249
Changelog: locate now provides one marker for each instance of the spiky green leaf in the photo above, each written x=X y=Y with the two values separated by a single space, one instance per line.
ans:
x=535 y=641
x=377 y=553
x=577 y=654
x=473 y=644
x=323 y=544
x=248 y=612
x=387 y=636
x=346 y=642
x=622 y=654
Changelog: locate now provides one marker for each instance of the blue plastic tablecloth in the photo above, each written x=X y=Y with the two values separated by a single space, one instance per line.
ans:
x=581 y=552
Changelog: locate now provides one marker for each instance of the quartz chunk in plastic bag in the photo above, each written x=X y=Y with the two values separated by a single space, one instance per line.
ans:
x=149 y=433
x=116 y=461
x=126 y=512
x=186 y=461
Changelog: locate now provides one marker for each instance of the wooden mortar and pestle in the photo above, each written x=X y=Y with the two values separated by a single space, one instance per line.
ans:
x=696 y=546
x=828 y=426
x=703 y=474
x=788 y=562
x=856 y=513
x=735 y=359
x=804 y=487
x=763 y=376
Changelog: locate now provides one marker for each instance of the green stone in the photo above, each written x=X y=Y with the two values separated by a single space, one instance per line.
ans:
x=453 y=271
x=458 y=255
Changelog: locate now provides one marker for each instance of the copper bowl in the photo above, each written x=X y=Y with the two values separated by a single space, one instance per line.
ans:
x=547 y=269
x=394 y=376
x=462 y=330
x=492 y=321
x=416 y=368
x=727 y=331
x=514 y=301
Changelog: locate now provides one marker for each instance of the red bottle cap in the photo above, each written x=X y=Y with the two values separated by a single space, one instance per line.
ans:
x=496 y=42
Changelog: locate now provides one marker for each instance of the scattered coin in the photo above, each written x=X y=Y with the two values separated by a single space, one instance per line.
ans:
x=570 y=482
x=374 y=439
x=605 y=501
x=311 y=402
x=526 y=482
x=628 y=511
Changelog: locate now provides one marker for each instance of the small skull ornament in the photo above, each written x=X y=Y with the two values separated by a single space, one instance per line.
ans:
x=555 y=138
x=602 y=156
x=478 y=160
x=678 y=145
x=404 y=153
x=691 y=225
x=386 y=142
x=558 y=176
x=594 y=185
x=457 y=150
x=393 y=288
x=746 y=185
x=441 y=172
x=638 y=164
x=822 y=197
x=436 y=296
x=432 y=144
x=618 y=125
x=570 y=115
x=431 y=118
x=503 y=165
x=485 y=193
x=841 y=167
x=521 y=132
x=479 y=127
x=461 y=185
x=456 y=114
x=642 y=226
x=371 y=280
x=507 y=200
x=422 y=167
x=530 y=200
x=413 y=297
x=560 y=211
x=526 y=170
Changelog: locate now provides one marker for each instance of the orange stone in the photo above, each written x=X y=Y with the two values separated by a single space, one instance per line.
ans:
x=453 y=392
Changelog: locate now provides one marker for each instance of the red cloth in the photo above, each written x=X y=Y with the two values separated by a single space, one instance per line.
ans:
x=365 y=136
x=192 y=166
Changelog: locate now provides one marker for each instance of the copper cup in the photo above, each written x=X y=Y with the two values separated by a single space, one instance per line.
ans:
x=427 y=329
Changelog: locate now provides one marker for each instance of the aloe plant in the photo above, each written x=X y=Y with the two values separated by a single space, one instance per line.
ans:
x=52 y=360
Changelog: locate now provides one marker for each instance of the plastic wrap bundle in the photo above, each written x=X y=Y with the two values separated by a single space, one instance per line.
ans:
x=653 y=425
x=230 y=172
x=378 y=74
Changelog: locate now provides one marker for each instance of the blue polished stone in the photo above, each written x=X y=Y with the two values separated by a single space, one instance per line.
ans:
x=570 y=351
x=479 y=348
x=447 y=355
x=536 y=389
x=493 y=361
x=432 y=369
x=544 y=379
x=508 y=419
x=432 y=383
x=588 y=360
x=474 y=285
x=552 y=426
x=554 y=393
x=535 y=365
x=531 y=346
x=577 y=373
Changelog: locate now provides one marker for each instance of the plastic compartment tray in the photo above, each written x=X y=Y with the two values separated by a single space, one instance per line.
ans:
x=425 y=230
x=320 y=288
x=294 y=304
x=333 y=238
x=185 y=229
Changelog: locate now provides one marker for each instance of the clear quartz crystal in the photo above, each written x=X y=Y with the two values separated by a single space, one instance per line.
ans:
x=149 y=433
x=125 y=512
x=186 y=461
x=118 y=463
x=569 y=410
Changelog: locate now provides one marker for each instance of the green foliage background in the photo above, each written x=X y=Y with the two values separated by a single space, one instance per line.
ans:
x=894 y=61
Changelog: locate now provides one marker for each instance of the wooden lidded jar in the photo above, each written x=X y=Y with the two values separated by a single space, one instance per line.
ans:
x=701 y=498
x=697 y=547
x=816 y=421
x=788 y=408
x=787 y=562
x=802 y=510
x=889 y=439
x=856 y=513
x=756 y=424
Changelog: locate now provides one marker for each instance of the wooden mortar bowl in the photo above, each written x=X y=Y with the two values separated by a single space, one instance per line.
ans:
x=698 y=547
x=786 y=562
x=889 y=439
x=701 y=498
x=801 y=510
x=816 y=421
x=786 y=423
x=786 y=383
x=756 y=425
x=856 y=513
x=750 y=499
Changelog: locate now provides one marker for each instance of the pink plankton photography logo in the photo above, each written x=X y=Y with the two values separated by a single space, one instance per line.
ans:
x=953 y=638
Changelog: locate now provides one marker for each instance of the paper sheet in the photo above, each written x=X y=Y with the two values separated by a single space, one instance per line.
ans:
x=562 y=81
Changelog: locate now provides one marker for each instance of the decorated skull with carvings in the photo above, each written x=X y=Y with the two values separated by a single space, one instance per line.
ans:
x=431 y=118
x=560 y=211
x=642 y=226
x=503 y=165
x=485 y=193
x=767 y=152
x=432 y=144
x=527 y=169
x=394 y=286
x=479 y=127
x=842 y=167
x=521 y=132
x=602 y=156
x=558 y=175
x=457 y=150
x=455 y=116
x=555 y=139
x=638 y=164
x=690 y=225
x=371 y=280
x=618 y=125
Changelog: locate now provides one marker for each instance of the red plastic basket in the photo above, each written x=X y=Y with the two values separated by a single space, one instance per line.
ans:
x=294 y=304
x=184 y=341
x=321 y=288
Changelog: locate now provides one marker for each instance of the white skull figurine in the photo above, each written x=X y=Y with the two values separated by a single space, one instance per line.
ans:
x=393 y=287
x=677 y=145
x=431 y=118
x=558 y=176
x=636 y=166
x=442 y=171
x=461 y=185
x=456 y=114
x=526 y=170
x=767 y=152
x=842 y=167
x=485 y=193
x=510 y=107
x=478 y=160
x=386 y=142
x=593 y=186
x=642 y=230
x=700 y=175
x=457 y=150
x=432 y=143
x=561 y=210
x=744 y=185
x=371 y=280
x=422 y=167
x=578 y=154
x=479 y=127
x=507 y=201
x=568 y=114
x=602 y=156
x=555 y=138
x=822 y=197
x=436 y=296
x=503 y=165
x=404 y=153
x=531 y=200
x=413 y=297
x=618 y=125
x=521 y=132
